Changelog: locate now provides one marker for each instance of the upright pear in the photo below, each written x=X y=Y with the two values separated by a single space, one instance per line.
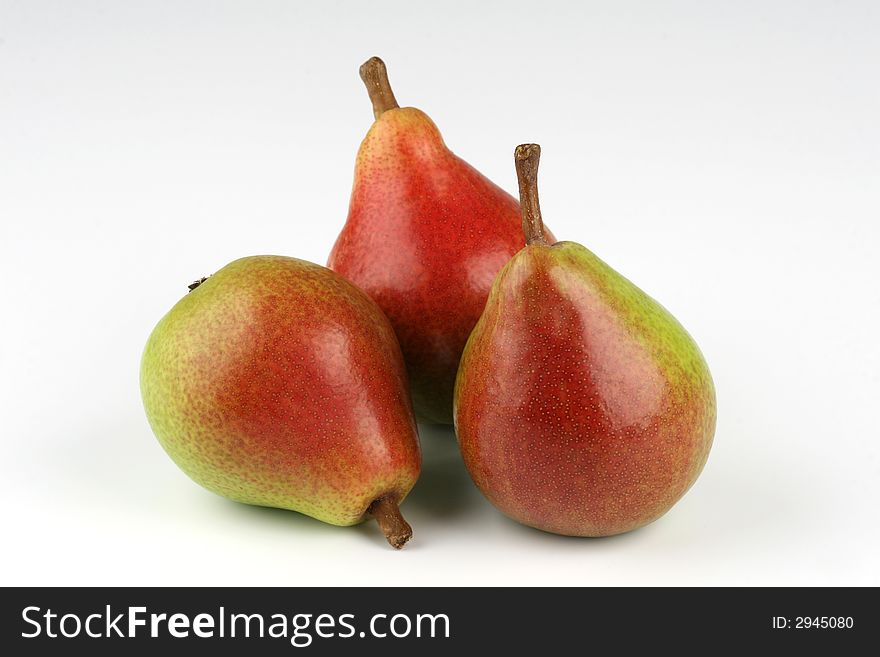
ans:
x=582 y=406
x=425 y=236
x=278 y=383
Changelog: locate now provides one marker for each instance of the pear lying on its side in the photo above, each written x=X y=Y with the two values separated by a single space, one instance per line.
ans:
x=276 y=382
x=582 y=406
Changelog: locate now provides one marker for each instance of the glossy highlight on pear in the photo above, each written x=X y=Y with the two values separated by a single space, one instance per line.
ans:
x=425 y=236
x=276 y=382
x=582 y=406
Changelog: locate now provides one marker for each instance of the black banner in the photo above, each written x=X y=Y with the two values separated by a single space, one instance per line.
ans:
x=110 y=621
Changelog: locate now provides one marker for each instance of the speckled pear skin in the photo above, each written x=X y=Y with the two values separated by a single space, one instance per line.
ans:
x=425 y=236
x=278 y=383
x=582 y=406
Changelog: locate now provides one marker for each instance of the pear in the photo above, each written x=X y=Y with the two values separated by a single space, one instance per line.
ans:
x=278 y=383
x=582 y=407
x=425 y=236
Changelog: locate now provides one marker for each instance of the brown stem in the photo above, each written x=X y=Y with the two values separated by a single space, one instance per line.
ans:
x=526 y=157
x=375 y=76
x=397 y=530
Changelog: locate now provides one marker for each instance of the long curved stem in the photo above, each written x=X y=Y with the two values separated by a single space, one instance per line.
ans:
x=527 y=157
x=375 y=77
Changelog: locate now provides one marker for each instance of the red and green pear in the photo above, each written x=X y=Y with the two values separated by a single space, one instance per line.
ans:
x=425 y=236
x=276 y=382
x=582 y=406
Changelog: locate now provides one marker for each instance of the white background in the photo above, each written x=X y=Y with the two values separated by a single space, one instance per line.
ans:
x=724 y=156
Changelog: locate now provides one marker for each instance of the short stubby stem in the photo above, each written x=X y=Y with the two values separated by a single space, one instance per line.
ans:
x=375 y=77
x=526 y=158
x=387 y=514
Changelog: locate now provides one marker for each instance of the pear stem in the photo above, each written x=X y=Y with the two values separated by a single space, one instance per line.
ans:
x=526 y=157
x=375 y=77
x=386 y=512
